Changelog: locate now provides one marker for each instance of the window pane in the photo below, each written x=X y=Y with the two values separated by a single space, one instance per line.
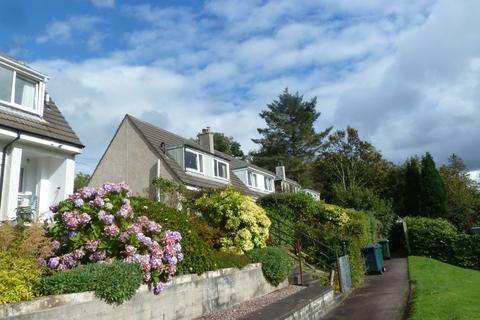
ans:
x=254 y=180
x=222 y=170
x=249 y=178
x=25 y=92
x=191 y=160
x=215 y=163
x=200 y=161
x=6 y=78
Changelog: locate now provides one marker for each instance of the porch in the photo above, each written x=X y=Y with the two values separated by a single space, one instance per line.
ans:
x=34 y=179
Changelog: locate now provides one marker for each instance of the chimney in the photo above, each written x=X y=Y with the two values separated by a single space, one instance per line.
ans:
x=206 y=139
x=280 y=172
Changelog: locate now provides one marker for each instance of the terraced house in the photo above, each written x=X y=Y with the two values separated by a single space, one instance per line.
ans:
x=139 y=152
x=37 y=144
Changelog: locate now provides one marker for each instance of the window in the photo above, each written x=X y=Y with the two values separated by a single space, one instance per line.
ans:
x=18 y=89
x=252 y=179
x=193 y=161
x=268 y=183
x=220 y=169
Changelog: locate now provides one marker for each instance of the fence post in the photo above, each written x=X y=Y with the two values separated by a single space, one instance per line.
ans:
x=299 y=255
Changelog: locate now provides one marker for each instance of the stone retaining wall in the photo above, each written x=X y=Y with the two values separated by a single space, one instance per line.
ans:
x=186 y=297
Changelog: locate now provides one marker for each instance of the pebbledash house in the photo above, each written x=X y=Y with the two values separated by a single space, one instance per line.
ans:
x=37 y=145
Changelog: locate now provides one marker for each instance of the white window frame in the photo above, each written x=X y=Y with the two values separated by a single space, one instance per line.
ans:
x=39 y=91
x=249 y=180
x=215 y=168
x=268 y=181
x=198 y=155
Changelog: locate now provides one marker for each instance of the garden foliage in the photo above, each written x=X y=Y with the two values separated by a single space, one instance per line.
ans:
x=114 y=283
x=439 y=239
x=304 y=218
x=276 y=263
x=199 y=240
x=98 y=225
x=244 y=224
x=19 y=269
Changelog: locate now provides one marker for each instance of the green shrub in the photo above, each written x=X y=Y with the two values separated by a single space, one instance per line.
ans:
x=18 y=276
x=199 y=240
x=114 y=283
x=329 y=224
x=276 y=263
x=439 y=239
x=245 y=225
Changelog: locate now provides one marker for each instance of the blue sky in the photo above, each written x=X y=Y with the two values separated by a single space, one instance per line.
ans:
x=405 y=73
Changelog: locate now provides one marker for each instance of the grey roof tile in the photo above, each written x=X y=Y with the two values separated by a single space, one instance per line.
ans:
x=156 y=136
x=53 y=125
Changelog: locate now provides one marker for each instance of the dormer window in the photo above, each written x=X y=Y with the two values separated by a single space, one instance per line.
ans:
x=252 y=179
x=220 y=169
x=193 y=161
x=21 y=87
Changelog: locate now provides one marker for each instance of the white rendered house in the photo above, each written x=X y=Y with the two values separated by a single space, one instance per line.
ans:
x=37 y=145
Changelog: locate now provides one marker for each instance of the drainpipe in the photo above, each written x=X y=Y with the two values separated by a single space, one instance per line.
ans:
x=4 y=156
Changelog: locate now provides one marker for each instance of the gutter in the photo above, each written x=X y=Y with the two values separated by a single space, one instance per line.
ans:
x=4 y=156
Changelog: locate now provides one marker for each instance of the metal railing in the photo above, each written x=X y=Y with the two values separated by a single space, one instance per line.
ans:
x=295 y=239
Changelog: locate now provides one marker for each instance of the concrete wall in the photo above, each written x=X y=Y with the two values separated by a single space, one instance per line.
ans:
x=129 y=158
x=186 y=297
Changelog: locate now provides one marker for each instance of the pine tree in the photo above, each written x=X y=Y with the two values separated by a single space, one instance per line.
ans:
x=412 y=187
x=290 y=136
x=433 y=195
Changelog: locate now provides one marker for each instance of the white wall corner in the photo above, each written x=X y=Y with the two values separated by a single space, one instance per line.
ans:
x=10 y=184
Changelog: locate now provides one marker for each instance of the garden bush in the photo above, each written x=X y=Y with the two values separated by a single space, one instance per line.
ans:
x=98 y=225
x=20 y=270
x=338 y=228
x=114 y=283
x=18 y=276
x=244 y=224
x=199 y=240
x=439 y=239
x=276 y=263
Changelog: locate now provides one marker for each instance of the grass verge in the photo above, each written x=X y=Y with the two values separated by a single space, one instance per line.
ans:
x=443 y=291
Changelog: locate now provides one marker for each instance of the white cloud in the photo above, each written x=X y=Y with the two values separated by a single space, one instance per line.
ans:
x=404 y=73
x=63 y=31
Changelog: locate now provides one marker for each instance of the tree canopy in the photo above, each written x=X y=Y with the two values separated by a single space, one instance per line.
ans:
x=228 y=145
x=290 y=136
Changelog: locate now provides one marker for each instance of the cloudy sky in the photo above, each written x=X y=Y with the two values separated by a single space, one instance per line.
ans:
x=405 y=73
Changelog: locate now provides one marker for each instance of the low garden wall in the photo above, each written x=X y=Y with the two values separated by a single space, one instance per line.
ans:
x=185 y=297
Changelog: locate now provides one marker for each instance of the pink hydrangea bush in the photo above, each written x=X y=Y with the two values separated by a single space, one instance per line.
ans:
x=96 y=225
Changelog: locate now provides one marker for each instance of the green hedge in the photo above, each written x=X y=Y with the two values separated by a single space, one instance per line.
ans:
x=199 y=240
x=330 y=224
x=114 y=283
x=276 y=263
x=439 y=239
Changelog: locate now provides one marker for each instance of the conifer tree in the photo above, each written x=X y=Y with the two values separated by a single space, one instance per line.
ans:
x=433 y=195
x=412 y=187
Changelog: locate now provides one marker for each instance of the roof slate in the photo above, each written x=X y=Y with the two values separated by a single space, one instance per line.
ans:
x=53 y=125
x=155 y=136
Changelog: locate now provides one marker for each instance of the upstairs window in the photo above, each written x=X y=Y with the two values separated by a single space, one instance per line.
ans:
x=268 y=183
x=252 y=179
x=220 y=168
x=18 y=90
x=193 y=161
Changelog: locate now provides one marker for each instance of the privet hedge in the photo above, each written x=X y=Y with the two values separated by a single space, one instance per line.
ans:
x=439 y=239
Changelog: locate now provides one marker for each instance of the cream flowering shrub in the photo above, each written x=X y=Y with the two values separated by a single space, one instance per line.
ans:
x=245 y=224
x=335 y=214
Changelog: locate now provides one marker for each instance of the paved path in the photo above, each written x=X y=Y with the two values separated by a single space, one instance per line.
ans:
x=384 y=297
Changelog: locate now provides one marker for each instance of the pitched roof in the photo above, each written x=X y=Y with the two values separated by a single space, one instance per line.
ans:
x=155 y=136
x=52 y=126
